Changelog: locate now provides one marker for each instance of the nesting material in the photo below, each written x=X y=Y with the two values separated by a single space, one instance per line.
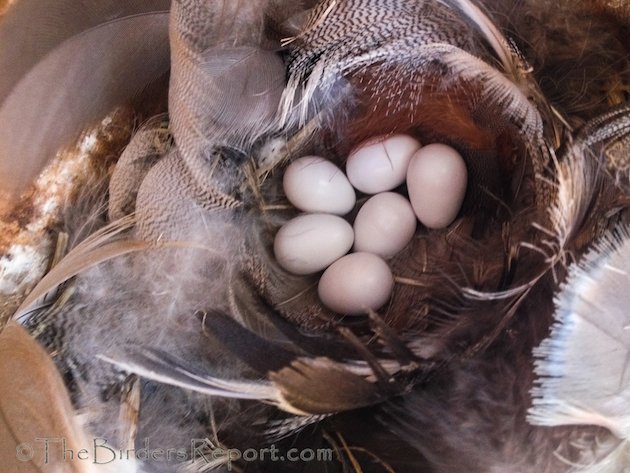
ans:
x=208 y=337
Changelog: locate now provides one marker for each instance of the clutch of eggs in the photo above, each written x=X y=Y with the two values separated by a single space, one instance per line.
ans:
x=353 y=284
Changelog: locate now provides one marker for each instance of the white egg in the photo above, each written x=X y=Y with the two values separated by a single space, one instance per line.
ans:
x=381 y=165
x=315 y=184
x=356 y=283
x=309 y=243
x=384 y=225
x=436 y=181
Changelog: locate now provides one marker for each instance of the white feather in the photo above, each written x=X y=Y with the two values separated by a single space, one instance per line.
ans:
x=326 y=79
x=584 y=365
x=488 y=29
x=614 y=461
x=209 y=385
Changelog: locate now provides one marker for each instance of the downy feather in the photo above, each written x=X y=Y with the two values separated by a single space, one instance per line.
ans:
x=99 y=247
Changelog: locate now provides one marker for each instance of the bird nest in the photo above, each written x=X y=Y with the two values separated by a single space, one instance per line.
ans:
x=167 y=246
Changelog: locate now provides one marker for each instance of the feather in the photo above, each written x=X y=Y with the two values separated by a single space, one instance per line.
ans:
x=316 y=72
x=581 y=173
x=99 y=69
x=130 y=412
x=578 y=195
x=260 y=354
x=582 y=366
x=96 y=249
x=34 y=404
x=511 y=62
x=505 y=94
x=319 y=386
x=615 y=460
x=390 y=339
x=608 y=137
x=303 y=388
x=265 y=321
x=590 y=341
x=163 y=368
x=607 y=129
x=224 y=89
x=146 y=147
x=173 y=204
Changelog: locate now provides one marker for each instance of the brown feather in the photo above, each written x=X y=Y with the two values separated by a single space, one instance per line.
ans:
x=34 y=404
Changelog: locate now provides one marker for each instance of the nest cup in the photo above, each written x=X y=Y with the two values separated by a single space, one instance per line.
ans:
x=435 y=267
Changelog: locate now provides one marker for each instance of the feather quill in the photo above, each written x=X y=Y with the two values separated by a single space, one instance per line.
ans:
x=159 y=366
